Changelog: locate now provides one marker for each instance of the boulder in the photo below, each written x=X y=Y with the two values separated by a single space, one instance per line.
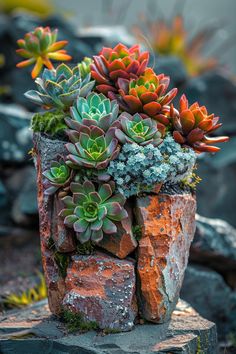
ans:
x=101 y=289
x=168 y=226
x=15 y=137
x=207 y=292
x=214 y=244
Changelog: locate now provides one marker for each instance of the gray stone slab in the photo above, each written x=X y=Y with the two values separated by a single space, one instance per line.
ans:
x=33 y=330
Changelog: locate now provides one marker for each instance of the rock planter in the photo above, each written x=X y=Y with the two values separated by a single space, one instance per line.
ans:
x=116 y=287
x=115 y=178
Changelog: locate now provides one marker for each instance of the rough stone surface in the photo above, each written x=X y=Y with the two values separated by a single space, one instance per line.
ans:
x=186 y=333
x=207 y=292
x=47 y=150
x=168 y=226
x=102 y=289
x=214 y=244
x=63 y=237
x=123 y=242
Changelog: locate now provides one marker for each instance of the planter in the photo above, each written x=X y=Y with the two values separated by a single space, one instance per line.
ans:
x=115 y=286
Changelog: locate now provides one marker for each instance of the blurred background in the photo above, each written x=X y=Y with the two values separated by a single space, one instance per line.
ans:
x=194 y=43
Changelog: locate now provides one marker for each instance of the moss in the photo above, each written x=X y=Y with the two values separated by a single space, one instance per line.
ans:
x=51 y=123
x=75 y=322
x=85 y=248
x=111 y=331
x=137 y=231
x=62 y=261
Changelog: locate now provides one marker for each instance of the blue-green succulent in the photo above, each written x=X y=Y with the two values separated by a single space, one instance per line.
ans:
x=57 y=176
x=135 y=129
x=60 y=87
x=96 y=109
x=91 y=212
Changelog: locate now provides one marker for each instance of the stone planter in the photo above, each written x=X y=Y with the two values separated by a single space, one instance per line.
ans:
x=123 y=280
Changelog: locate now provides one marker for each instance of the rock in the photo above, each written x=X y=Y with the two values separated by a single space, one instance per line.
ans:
x=123 y=242
x=101 y=289
x=218 y=169
x=168 y=226
x=47 y=150
x=187 y=332
x=207 y=292
x=25 y=207
x=15 y=137
x=217 y=91
x=214 y=244
x=63 y=237
x=173 y=67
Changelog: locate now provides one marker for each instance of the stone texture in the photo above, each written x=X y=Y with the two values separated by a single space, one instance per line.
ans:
x=102 y=289
x=168 y=226
x=187 y=333
x=123 y=242
x=47 y=150
x=214 y=244
x=207 y=292
x=64 y=238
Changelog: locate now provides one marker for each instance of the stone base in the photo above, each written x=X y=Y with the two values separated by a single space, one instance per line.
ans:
x=37 y=331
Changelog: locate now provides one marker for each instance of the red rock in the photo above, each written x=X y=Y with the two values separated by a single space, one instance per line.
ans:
x=47 y=150
x=102 y=289
x=63 y=237
x=123 y=242
x=168 y=226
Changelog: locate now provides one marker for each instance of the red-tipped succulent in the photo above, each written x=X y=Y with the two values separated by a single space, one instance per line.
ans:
x=146 y=95
x=118 y=62
x=192 y=124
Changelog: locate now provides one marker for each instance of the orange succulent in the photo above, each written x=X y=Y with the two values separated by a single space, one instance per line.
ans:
x=191 y=125
x=39 y=47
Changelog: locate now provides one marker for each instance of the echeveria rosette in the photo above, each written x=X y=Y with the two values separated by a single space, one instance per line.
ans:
x=146 y=95
x=118 y=62
x=60 y=87
x=191 y=125
x=135 y=129
x=57 y=176
x=96 y=109
x=39 y=47
x=91 y=147
x=93 y=213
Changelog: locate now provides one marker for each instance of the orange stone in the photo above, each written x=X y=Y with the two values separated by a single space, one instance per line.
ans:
x=168 y=226
x=101 y=289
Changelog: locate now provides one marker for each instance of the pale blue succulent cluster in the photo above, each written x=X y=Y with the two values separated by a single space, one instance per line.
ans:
x=139 y=168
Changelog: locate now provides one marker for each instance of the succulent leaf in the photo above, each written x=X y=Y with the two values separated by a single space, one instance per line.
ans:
x=93 y=212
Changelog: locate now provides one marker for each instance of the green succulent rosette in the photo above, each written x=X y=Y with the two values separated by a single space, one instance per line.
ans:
x=57 y=176
x=84 y=66
x=60 y=87
x=93 y=213
x=96 y=109
x=135 y=129
x=90 y=147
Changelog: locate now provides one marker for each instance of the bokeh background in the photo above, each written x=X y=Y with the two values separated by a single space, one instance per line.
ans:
x=194 y=43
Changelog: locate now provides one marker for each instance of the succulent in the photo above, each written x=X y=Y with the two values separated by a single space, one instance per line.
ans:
x=84 y=67
x=146 y=95
x=192 y=124
x=92 y=213
x=91 y=147
x=58 y=175
x=52 y=123
x=135 y=129
x=95 y=109
x=39 y=47
x=60 y=87
x=118 y=62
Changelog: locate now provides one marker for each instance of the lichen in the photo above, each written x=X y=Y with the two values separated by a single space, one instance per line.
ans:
x=75 y=322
